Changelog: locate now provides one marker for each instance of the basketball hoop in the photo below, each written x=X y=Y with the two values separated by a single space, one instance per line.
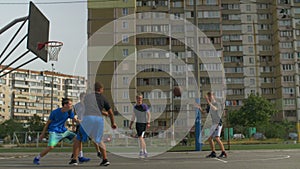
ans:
x=53 y=49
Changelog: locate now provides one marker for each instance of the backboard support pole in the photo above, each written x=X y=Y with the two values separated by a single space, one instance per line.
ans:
x=14 y=61
x=12 y=23
x=20 y=65
x=13 y=36
x=13 y=49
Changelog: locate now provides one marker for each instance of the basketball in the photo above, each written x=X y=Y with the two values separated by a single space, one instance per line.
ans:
x=177 y=91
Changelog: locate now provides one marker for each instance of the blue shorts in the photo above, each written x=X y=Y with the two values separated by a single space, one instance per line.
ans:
x=91 y=127
x=54 y=137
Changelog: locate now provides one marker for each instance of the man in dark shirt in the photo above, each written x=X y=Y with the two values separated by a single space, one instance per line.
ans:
x=92 y=124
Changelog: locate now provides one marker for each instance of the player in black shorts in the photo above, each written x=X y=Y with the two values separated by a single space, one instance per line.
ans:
x=142 y=116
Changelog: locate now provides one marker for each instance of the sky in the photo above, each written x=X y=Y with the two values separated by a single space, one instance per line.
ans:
x=68 y=24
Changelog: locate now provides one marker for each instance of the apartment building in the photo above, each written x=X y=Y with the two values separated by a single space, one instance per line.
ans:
x=28 y=92
x=256 y=41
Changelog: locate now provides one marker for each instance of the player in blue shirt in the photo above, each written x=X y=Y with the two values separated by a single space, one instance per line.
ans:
x=56 y=128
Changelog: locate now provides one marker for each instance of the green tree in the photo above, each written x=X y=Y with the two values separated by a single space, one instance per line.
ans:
x=9 y=127
x=35 y=123
x=256 y=111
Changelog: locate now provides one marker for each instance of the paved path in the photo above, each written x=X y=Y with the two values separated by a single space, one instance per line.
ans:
x=252 y=159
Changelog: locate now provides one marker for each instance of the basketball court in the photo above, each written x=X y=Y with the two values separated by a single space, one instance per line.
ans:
x=254 y=159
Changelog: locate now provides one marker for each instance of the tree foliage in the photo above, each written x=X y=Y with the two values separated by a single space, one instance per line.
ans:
x=9 y=127
x=35 y=123
x=255 y=112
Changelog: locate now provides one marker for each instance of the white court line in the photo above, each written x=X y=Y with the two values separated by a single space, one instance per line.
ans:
x=5 y=158
x=265 y=159
x=260 y=159
x=221 y=160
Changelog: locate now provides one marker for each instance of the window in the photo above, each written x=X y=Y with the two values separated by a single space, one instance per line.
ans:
x=262 y=6
x=125 y=80
x=288 y=90
x=125 y=39
x=233 y=48
x=264 y=27
x=286 y=45
x=267 y=90
x=251 y=60
x=285 y=33
x=210 y=26
x=289 y=102
x=251 y=71
x=285 y=23
x=177 y=4
x=287 y=67
x=211 y=2
x=125 y=109
x=229 y=27
x=288 y=78
x=265 y=48
x=267 y=69
x=298 y=43
x=125 y=95
x=248 y=7
x=250 y=39
x=191 y=2
x=125 y=24
x=283 y=1
x=231 y=16
x=264 y=37
x=263 y=16
x=126 y=123
x=249 y=28
x=249 y=18
x=286 y=55
x=211 y=14
x=125 y=52
x=124 y=11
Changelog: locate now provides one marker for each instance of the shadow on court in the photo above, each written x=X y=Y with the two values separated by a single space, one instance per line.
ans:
x=253 y=159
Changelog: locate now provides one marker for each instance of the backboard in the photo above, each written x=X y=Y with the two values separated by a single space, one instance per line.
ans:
x=38 y=31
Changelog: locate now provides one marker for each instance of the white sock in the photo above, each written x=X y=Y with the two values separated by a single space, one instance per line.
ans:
x=141 y=150
x=80 y=154
x=145 y=151
x=38 y=156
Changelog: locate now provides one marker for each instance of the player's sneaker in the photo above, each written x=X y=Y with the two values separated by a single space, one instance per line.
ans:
x=83 y=159
x=212 y=155
x=104 y=162
x=141 y=154
x=145 y=154
x=36 y=161
x=73 y=162
x=71 y=157
x=99 y=154
x=222 y=155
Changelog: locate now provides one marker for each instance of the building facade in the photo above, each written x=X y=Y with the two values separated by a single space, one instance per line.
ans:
x=256 y=41
x=27 y=92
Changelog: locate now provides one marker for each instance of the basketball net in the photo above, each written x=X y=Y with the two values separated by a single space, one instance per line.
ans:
x=53 y=49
